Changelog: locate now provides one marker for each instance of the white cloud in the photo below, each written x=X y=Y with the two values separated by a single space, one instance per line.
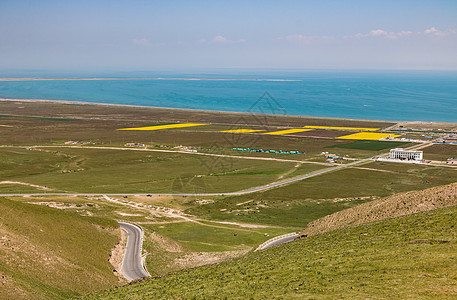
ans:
x=221 y=40
x=142 y=42
x=380 y=33
x=404 y=32
x=299 y=38
x=437 y=32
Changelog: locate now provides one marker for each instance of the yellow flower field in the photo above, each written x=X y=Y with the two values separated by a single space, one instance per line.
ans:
x=242 y=130
x=342 y=128
x=367 y=136
x=287 y=131
x=168 y=126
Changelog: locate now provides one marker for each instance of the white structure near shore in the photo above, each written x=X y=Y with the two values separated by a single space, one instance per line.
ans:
x=402 y=154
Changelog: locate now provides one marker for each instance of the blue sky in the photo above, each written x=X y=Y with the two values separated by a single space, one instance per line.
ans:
x=191 y=35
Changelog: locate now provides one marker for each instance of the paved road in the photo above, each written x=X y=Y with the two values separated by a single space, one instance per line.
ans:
x=132 y=265
x=243 y=192
x=278 y=241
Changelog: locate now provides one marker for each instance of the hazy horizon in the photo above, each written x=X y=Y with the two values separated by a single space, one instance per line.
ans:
x=138 y=36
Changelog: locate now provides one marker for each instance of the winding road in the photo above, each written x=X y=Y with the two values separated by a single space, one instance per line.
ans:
x=132 y=266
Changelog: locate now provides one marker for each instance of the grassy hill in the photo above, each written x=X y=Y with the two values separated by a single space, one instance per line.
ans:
x=389 y=207
x=50 y=253
x=407 y=257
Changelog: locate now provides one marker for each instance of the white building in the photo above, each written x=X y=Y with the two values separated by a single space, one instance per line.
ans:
x=402 y=154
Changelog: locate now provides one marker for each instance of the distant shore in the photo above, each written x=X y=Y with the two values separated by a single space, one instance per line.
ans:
x=202 y=111
x=183 y=109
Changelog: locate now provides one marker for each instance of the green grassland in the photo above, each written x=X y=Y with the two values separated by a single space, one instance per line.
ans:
x=297 y=204
x=440 y=152
x=181 y=231
x=287 y=209
x=208 y=236
x=50 y=253
x=205 y=238
x=187 y=237
x=117 y=171
x=17 y=189
x=407 y=257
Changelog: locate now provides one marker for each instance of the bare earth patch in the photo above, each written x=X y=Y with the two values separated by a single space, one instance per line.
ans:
x=204 y=201
x=116 y=257
x=377 y=170
x=25 y=183
x=65 y=205
x=243 y=224
x=128 y=215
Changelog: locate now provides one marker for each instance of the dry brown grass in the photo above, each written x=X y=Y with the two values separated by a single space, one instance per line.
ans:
x=385 y=208
x=55 y=109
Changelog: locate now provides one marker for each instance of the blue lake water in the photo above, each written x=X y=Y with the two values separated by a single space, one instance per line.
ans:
x=409 y=96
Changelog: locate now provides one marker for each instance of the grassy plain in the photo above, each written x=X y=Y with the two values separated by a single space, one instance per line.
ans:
x=183 y=232
x=119 y=171
x=440 y=152
x=407 y=257
x=301 y=202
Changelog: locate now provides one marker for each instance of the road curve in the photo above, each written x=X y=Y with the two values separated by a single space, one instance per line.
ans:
x=285 y=238
x=132 y=265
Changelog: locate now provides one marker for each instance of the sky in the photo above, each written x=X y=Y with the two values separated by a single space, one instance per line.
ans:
x=188 y=35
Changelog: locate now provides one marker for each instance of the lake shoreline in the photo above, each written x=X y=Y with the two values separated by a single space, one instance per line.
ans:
x=69 y=102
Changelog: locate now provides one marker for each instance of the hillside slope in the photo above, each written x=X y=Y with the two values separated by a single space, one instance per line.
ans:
x=49 y=253
x=408 y=257
x=389 y=207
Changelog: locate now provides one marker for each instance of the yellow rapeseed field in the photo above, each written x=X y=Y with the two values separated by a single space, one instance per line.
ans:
x=342 y=128
x=367 y=136
x=242 y=130
x=287 y=131
x=168 y=126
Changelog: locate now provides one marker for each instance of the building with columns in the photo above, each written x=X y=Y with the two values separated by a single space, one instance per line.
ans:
x=402 y=154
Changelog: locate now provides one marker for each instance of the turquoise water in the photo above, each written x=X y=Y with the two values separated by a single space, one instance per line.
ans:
x=409 y=96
